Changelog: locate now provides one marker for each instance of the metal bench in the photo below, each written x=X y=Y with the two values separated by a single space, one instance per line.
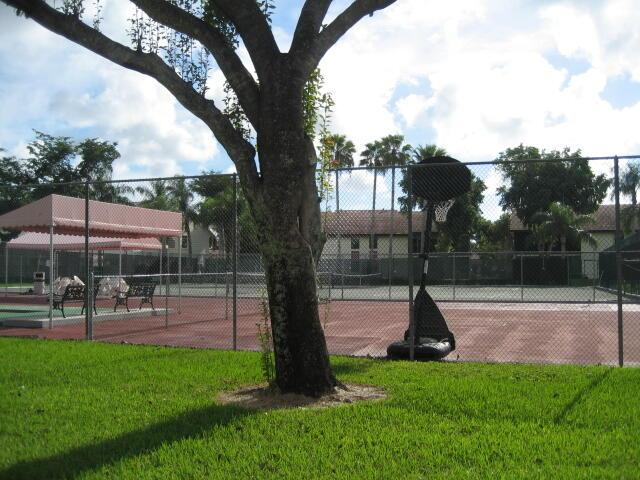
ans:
x=144 y=291
x=72 y=293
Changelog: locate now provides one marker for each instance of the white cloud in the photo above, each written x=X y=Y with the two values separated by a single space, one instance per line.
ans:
x=490 y=83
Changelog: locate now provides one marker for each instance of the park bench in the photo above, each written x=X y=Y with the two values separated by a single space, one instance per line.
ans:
x=143 y=290
x=72 y=293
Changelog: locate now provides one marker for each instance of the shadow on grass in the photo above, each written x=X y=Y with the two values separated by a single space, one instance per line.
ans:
x=77 y=461
x=353 y=366
x=580 y=396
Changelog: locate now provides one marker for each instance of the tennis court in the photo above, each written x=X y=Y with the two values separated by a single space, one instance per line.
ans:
x=337 y=286
x=497 y=331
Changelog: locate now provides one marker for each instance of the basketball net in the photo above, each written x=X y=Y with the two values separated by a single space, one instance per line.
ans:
x=441 y=209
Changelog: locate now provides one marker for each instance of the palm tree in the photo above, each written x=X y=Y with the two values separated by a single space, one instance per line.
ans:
x=342 y=150
x=155 y=195
x=561 y=222
x=383 y=155
x=181 y=197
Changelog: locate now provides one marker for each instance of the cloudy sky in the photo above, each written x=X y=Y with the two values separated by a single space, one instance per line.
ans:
x=473 y=76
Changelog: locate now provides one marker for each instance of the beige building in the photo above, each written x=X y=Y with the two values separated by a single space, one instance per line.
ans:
x=360 y=235
x=602 y=229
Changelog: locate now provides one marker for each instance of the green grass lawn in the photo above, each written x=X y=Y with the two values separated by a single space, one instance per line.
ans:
x=92 y=410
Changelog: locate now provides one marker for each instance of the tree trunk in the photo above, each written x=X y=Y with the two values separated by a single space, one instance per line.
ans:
x=287 y=214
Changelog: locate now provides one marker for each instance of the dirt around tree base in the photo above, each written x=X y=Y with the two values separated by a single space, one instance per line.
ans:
x=261 y=397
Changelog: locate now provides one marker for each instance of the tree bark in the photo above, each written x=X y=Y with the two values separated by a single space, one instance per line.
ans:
x=289 y=231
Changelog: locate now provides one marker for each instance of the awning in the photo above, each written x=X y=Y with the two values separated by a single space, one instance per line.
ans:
x=66 y=215
x=40 y=241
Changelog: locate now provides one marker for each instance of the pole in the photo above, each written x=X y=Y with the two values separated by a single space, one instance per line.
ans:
x=88 y=325
x=390 y=256
x=594 y=273
x=616 y=174
x=338 y=226
x=454 y=275
x=521 y=277
x=51 y=274
x=180 y=273
x=166 y=285
x=6 y=269
x=412 y=326
x=119 y=264
x=235 y=262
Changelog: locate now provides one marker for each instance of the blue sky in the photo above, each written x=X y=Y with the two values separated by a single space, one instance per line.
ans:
x=473 y=76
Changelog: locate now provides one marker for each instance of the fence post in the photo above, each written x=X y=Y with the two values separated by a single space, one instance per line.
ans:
x=390 y=256
x=453 y=276
x=338 y=227
x=521 y=277
x=167 y=284
x=235 y=262
x=594 y=273
x=87 y=267
x=412 y=327
x=619 y=279
x=6 y=268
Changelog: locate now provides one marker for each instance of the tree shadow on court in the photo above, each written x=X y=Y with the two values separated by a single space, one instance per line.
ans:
x=580 y=397
x=87 y=458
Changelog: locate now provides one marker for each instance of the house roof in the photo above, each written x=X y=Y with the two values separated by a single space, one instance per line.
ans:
x=604 y=220
x=360 y=222
x=40 y=241
x=66 y=215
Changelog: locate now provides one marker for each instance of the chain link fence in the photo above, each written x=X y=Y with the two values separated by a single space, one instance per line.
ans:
x=509 y=289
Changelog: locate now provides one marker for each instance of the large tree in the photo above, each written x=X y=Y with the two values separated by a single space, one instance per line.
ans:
x=279 y=184
x=537 y=178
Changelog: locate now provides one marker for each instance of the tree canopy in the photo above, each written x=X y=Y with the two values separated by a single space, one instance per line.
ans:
x=558 y=176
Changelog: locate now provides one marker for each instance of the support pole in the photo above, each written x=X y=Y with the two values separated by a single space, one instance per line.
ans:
x=6 y=269
x=521 y=277
x=119 y=264
x=51 y=275
x=180 y=273
x=412 y=326
x=88 y=324
x=594 y=273
x=390 y=255
x=338 y=226
x=616 y=183
x=453 y=275
x=166 y=284
x=235 y=263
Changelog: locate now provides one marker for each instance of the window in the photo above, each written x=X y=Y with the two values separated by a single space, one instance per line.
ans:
x=171 y=243
x=373 y=242
x=185 y=240
x=355 y=243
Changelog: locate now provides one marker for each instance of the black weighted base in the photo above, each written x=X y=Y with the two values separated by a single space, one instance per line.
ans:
x=427 y=349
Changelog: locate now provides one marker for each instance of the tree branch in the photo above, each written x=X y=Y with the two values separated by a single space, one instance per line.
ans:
x=254 y=29
x=240 y=151
x=234 y=71
x=309 y=23
x=343 y=22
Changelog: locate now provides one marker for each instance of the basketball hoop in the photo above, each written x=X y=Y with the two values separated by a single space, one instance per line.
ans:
x=441 y=209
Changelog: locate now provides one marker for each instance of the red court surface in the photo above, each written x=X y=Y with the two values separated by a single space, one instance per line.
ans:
x=497 y=332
